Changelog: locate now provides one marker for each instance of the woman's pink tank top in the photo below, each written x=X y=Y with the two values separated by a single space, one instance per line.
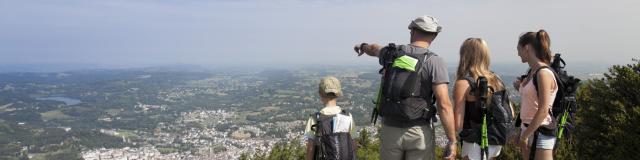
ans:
x=529 y=101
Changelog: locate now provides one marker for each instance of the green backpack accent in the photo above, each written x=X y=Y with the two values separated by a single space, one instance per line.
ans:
x=405 y=62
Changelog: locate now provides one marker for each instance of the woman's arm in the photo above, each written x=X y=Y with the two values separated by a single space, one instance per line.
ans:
x=513 y=112
x=460 y=90
x=545 y=83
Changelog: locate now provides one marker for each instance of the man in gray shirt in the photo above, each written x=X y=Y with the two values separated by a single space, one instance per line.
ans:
x=415 y=140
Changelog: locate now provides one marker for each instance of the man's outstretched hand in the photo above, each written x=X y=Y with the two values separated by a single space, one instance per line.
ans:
x=369 y=49
x=359 y=48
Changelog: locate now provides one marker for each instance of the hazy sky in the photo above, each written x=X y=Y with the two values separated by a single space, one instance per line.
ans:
x=157 y=32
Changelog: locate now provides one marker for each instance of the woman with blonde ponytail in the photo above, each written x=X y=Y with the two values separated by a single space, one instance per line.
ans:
x=474 y=63
x=534 y=49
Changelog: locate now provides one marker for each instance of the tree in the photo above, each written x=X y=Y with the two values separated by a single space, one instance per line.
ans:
x=280 y=151
x=609 y=115
x=368 y=147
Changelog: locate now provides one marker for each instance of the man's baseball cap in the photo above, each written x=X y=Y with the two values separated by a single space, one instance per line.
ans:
x=426 y=23
x=329 y=85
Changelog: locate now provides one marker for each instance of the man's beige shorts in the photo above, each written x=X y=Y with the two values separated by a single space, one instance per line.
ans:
x=413 y=143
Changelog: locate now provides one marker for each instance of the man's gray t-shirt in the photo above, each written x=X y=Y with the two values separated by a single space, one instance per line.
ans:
x=433 y=71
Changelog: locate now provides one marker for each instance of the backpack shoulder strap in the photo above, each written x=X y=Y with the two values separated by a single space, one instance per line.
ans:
x=316 y=127
x=472 y=82
x=505 y=94
x=555 y=76
x=535 y=76
x=344 y=112
x=428 y=56
x=315 y=116
x=422 y=62
x=559 y=83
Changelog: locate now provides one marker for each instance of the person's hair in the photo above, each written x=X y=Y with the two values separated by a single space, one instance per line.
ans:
x=329 y=95
x=475 y=61
x=540 y=42
x=422 y=35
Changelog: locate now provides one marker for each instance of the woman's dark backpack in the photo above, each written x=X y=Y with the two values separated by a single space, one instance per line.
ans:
x=500 y=120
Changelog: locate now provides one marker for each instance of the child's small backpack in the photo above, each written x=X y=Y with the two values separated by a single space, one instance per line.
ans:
x=333 y=140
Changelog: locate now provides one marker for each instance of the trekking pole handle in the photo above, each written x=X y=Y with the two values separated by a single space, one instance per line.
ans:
x=483 y=87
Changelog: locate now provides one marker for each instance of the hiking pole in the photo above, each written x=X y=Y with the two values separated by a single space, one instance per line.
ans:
x=565 y=114
x=484 y=141
x=563 y=120
x=374 y=114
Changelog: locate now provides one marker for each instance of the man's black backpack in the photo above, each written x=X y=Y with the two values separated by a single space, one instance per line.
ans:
x=330 y=145
x=499 y=115
x=400 y=97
